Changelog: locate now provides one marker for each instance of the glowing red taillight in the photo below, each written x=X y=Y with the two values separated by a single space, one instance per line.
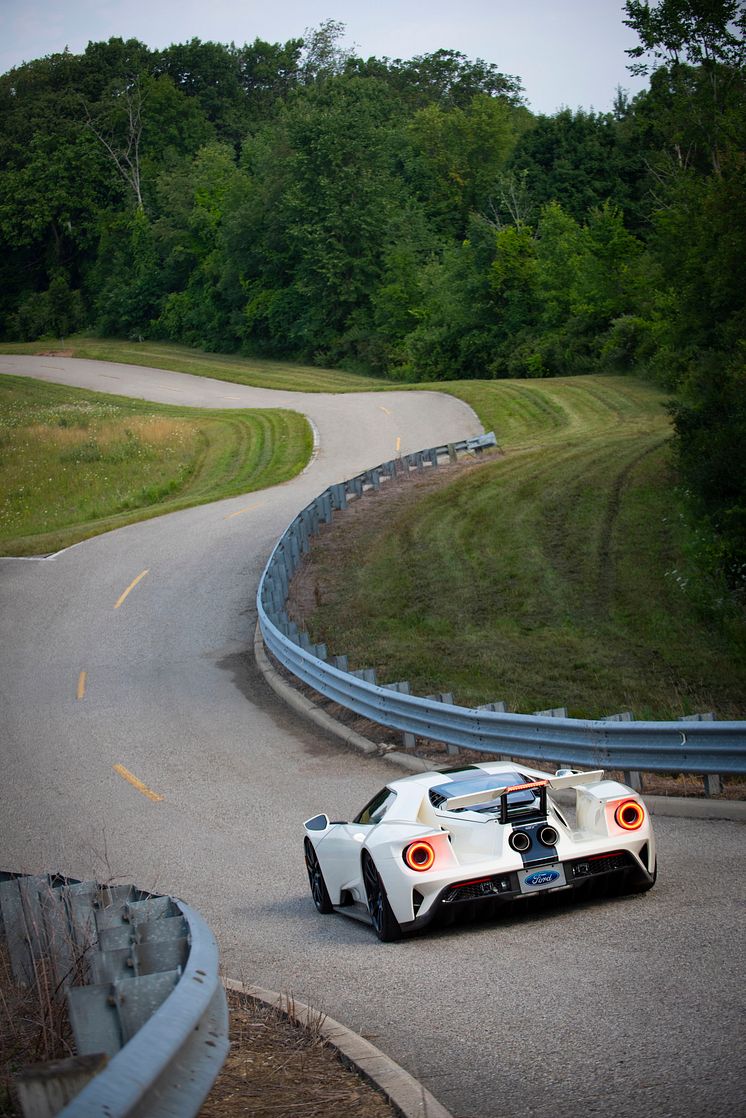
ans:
x=419 y=856
x=630 y=815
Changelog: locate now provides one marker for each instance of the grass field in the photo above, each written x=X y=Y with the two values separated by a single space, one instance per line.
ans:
x=74 y=464
x=552 y=576
x=180 y=359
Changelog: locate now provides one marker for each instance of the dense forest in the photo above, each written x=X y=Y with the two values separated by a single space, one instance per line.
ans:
x=406 y=218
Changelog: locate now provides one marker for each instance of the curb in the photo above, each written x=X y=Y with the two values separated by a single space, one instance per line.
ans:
x=681 y=807
x=406 y=1094
x=304 y=706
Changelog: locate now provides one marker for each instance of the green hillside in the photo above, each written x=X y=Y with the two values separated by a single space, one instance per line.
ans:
x=555 y=575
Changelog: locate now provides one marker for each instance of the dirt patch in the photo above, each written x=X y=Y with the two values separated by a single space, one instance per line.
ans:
x=55 y=353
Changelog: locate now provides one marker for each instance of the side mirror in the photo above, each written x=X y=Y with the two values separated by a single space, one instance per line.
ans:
x=318 y=823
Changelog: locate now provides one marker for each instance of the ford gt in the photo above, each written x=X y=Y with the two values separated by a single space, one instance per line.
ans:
x=428 y=844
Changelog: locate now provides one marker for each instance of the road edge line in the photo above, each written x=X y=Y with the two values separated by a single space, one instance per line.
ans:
x=405 y=1093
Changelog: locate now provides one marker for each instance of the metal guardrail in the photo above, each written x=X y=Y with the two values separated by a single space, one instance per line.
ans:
x=690 y=746
x=147 y=1009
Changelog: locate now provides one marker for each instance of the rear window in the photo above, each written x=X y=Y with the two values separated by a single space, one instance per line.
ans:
x=468 y=784
x=376 y=808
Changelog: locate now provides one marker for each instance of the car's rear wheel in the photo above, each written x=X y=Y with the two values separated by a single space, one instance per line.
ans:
x=384 y=922
x=319 y=891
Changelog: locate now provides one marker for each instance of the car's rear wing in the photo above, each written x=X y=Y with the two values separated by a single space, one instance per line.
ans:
x=501 y=792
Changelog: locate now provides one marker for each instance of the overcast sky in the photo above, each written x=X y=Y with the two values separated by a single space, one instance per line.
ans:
x=566 y=52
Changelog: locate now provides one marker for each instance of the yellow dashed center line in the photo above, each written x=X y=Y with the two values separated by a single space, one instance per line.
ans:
x=230 y=397
x=248 y=508
x=169 y=388
x=131 y=587
x=398 y=443
x=384 y=409
x=80 y=692
x=138 y=784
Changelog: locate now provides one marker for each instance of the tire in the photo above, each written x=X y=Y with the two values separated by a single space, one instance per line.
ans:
x=319 y=891
x=384 y=922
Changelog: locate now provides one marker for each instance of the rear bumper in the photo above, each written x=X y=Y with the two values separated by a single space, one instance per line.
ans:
x=498 y=888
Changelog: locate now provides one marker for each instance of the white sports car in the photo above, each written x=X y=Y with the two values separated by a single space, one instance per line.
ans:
x=431 y=842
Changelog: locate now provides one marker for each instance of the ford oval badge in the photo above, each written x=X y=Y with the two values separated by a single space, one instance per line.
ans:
x=542 y=877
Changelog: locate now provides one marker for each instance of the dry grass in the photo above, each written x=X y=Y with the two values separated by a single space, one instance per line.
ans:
x=34 y=1026
x=281 y=1069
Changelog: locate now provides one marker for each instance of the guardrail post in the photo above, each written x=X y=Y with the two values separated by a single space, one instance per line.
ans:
x=46 y=1089
x=445 y=697
x=632 y=777
x=294 y=558
x=338 y=496
x=368 y=674
x=341 y=662
x=712 y=782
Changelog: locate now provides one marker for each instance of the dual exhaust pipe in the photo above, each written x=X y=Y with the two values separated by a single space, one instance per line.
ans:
x=521 y=840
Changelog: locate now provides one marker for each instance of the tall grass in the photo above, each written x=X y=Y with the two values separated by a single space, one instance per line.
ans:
x=74 y=463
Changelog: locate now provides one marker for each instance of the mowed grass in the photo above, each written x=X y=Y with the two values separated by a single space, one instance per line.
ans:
x=549 y=577
x=74 y=464
x=258 y=372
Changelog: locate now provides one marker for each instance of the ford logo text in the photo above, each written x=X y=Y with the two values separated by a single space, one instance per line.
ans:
x=542 y=877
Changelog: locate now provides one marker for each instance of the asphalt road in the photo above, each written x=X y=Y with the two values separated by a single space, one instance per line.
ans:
x=630 y=1006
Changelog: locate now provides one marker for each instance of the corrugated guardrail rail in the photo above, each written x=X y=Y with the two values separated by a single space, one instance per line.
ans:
x=690 y=746
x=140 y=976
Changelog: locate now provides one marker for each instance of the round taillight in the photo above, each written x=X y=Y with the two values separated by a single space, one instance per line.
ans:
x=419 y=856
x=630 y=815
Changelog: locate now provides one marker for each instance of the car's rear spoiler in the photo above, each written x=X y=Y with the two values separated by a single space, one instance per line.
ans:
x=572 y=780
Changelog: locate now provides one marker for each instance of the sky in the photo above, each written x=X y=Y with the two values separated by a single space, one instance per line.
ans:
x=567 y=53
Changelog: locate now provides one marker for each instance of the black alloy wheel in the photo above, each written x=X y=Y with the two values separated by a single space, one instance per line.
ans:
x=319 y=891
x=384 y=922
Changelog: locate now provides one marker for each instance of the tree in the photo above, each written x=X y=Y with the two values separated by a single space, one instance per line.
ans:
x=704 y=32
x=322 y=56
x=699 y=45
x=457 y=155
x=123 y=149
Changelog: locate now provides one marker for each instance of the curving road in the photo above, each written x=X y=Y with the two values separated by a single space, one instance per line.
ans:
x=617 y=1007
